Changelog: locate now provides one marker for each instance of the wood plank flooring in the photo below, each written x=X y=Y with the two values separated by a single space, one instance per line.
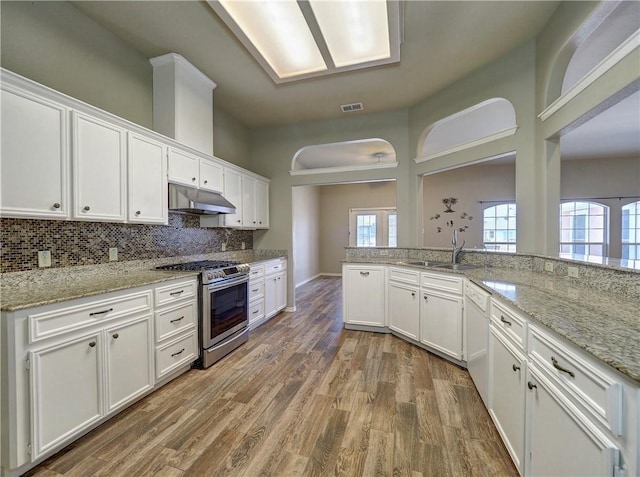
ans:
x=303 y=397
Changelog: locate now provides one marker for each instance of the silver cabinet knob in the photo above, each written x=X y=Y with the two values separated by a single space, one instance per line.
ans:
x=115 y=336
x=239 y=221
x=530 y=385
x=92 y=344
x=206 y=181
x=56 y=205
x=86 y=207
x=193 y=179
x=137 y=212
x=515 y=368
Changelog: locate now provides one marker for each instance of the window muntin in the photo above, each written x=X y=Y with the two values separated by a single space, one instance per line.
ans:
x=631 y=231
x=584 y=228
x=499 y=227
x=373 y=227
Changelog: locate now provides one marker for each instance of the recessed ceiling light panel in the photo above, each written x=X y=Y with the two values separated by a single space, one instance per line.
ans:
x=355 y=31
x=279 y=31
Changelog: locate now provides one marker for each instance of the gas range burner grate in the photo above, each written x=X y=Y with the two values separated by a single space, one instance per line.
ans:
x=201 y=265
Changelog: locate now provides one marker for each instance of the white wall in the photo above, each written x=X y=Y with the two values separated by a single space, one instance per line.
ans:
x=306 y=236
x=335 y=202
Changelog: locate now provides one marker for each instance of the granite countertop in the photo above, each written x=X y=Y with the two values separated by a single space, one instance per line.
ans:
x=604 y=324
x=21 y=290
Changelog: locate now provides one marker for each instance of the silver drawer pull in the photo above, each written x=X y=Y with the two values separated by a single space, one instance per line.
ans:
x=560 y=368
x=255 y=312
x=100 y=312
x=255 y=290
x=179 y=352
x=177 y=319
x=176 y=293
x=364 y=274
x=506 y=322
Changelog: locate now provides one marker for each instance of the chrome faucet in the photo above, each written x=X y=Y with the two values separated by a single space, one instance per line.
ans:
x=456 y=250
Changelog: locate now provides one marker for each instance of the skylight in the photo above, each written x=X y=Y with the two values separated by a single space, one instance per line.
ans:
x=294 y=40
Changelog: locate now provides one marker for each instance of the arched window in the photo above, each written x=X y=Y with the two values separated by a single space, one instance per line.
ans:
x=631 y=231
x=584 y=228
x=499 y=227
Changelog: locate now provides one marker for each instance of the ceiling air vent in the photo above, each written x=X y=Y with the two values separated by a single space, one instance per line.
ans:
x=347 y=108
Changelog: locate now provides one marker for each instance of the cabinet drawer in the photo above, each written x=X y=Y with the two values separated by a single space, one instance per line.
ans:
x=256 y=289
x=404 y=275
x=63 y=320
x=590 y=383
x=256 y=271
x=442 y=281
x=514 y=326
x=256 y=311
x=176 y=291
x=274 y=266
x=175 y=320
x=176 y=353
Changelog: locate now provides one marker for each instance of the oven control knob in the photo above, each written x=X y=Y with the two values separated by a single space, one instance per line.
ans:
x=209 y=276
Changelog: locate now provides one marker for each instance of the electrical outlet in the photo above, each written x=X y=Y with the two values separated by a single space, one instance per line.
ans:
x=243 y=246
x=548 y=266
x=44 y=258
x=113 y=254
x=384 y=252
x=224 y=247
x=572 y=272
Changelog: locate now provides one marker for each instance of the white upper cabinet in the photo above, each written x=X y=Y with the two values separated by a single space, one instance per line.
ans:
x=233 y=193
x=262 y=204
x=249 y=202
x=147 y=180
x=184 y=168
x=211 y=175
x=99 y=169
x=35 y=161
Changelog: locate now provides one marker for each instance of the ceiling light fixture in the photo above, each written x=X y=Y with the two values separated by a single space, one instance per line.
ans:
x=294 y=40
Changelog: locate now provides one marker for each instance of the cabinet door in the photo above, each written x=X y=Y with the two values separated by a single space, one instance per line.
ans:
x=262 y=204
x=129 y=362
x=99 y=169
x=249 y=202
x=364 y=295
x=506 y=395
x=270 y=296
x=147 y=181
x=183 y=168
x=441 y=323
x=404 y=310
x=233 y=193
x=561 y=440
x=211 y=176
x=34 y=155
x=66 y=387
x=281 y=291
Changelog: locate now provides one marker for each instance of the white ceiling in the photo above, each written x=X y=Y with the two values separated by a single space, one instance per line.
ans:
x=443 y=42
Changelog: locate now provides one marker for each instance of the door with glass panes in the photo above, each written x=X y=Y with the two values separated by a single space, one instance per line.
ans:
x=373 y=227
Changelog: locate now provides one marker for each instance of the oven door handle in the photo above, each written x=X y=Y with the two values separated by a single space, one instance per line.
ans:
x=227 y=284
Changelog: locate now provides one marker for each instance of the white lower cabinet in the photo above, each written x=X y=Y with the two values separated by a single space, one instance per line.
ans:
x=69 y=366
x=363 y=295
x=256 y=290
x=404 y=309
x=441 y=323
x=129 y=362
x=66 y=390
x=275 y=287
x=561 y=440
x=507 y=372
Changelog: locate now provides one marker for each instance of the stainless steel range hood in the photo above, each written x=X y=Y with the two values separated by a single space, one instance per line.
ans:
x=186 y=200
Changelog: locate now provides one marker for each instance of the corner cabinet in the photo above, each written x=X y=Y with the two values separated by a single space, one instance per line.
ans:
x=364 y=296
x=403 y=293
x=250 y=195
x=35 y=181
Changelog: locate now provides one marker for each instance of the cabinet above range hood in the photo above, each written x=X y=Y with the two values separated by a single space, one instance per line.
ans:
x=187 y=200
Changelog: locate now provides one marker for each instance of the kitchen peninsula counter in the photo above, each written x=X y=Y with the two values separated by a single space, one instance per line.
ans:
x=604 y=324
x=21 y=290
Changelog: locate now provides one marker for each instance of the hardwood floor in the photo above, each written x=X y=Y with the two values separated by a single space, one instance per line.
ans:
x=302 y=397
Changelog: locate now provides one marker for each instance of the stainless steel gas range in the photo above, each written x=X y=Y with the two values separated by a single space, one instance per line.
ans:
x=223 y=306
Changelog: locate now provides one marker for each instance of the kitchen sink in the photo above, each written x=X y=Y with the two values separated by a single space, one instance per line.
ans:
x=458 y=266
x=427 y=263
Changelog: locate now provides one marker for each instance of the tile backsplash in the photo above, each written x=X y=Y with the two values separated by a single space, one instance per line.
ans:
x=85 y=243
